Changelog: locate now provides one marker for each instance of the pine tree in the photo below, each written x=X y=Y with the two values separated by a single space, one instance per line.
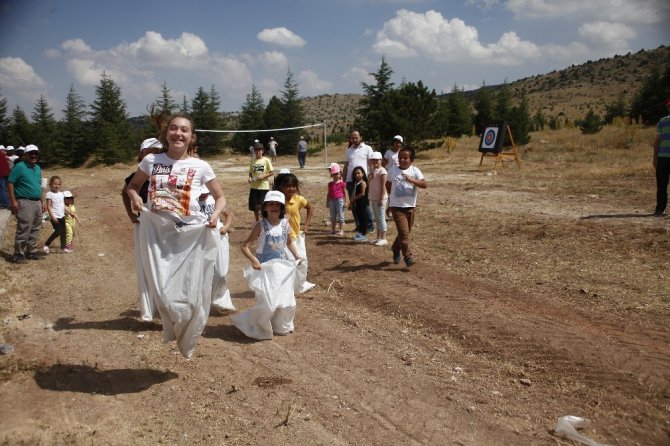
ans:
x=412 y=111
x=72 y=146
x=503 y=103
x=461 y=117
x=251 y=118
x=592 y=123
x=113 y=137
x=483 y=104
x=274 y=119
x=294 y=115
x=372 y=113
x=184 y=108
x=4 y=120
x=519 y=120
x=19 y=128
x=617 y=109
x=165 y=103
x=43 y=129
x=205 y=113
x=649 y=103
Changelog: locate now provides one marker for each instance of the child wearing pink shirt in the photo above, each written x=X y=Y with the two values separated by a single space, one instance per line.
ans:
x=335 y=200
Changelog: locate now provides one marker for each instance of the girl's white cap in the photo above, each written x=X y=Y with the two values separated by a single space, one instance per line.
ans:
x=274 y=195
x=284 y=171
x=67 y=194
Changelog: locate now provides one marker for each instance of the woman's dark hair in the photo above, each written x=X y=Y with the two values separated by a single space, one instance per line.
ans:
x=282 y=210
x=365 y=176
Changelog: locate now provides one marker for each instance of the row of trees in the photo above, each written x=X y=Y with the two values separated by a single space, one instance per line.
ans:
x=103 y=132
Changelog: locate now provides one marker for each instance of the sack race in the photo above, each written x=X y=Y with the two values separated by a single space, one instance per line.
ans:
x=178 y=267
x=148 y=310
x=274 y=310
x=220 y=293
x=301 y=283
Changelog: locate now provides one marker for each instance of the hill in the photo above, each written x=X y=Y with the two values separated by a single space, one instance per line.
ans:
x=570 y=92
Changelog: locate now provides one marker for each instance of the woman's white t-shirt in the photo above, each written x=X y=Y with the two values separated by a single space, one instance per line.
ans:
x=403 y=193
x=174 y=186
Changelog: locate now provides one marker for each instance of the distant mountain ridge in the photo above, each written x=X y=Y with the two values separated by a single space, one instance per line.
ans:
x=570 y=92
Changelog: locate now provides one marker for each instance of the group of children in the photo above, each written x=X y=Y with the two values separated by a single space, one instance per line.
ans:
x=62 y=214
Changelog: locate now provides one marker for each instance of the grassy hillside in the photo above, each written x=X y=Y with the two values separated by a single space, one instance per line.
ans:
x=570 y=92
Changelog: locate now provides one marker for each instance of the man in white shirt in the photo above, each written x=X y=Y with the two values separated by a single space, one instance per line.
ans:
x=358 y=154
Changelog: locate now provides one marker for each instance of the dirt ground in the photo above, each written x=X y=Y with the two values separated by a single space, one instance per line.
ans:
x=538 y=293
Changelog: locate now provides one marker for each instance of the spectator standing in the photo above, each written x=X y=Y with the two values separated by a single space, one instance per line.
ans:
x=357 y=155
x=26 y=202
x=391 y=156
x=260 y=170
x=272 y=146
x=662 y=162
x=4 y=174
x=302 y=152
x=378 y=197
x=55 y=201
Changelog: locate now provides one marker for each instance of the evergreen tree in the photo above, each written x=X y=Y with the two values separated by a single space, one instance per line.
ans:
x=617 y=109
x=592 y=123
x=503 y=103
x=5 y=121
x=43 y=129
x=484 y=106
x=184 y=108
x=519 y=120
x=251 y=118
x=113 y=137
x=294 y=115
x=274 y=119
x=412 y=111
x=539 y=121
x=442 y=118
x=165 y=103
x=649 y=103
x=19 y=128
x=205 y=112
x=72 y=139
x=372 y=114
x=461 y=117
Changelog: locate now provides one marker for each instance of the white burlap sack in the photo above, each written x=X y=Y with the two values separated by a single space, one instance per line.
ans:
x=220 y=293
x=148 y=310
x=178 y=266
x=275 y=306
x=301 y=283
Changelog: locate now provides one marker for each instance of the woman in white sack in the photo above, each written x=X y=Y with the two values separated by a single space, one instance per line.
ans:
x=178 y=243
x=272 y=275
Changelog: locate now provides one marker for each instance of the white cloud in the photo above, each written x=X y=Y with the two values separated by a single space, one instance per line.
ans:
x=311 y=85
x=608 y=36
x=441 y=40
x=76 y=47
x=17 y=75
x=625 y=11
x=484 y=5
x=274 y=61
x=52 y=53
x=281 y=36
x=355 y=75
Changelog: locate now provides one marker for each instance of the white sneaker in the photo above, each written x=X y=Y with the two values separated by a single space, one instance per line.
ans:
x=381 y=242
x=45 y=249
x=373 y=241
x=67 y=250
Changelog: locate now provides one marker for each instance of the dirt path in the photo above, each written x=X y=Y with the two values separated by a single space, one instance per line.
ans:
x=532 y=298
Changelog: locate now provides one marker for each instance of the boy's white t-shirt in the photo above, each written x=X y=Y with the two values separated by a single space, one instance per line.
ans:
x=174 y=186
x=391 y=158
x=57 y=203
x=403 y=193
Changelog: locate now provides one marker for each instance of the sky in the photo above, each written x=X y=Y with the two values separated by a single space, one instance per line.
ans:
x=330 y=46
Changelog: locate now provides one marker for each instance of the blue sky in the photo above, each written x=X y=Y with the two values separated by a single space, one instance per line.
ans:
x=331 y=46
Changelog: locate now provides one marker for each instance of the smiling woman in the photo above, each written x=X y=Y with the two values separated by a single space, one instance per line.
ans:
x=177 y=242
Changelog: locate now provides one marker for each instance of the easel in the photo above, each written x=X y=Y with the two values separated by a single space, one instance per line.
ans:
x=503 y=156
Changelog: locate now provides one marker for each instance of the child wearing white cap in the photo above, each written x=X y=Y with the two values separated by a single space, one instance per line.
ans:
x=71 y=220
x=391 y=155
x=378 y=197
x=271 y=232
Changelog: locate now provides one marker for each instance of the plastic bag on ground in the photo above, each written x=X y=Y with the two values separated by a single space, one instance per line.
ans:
x=220 y=293
x=301 y=283
x=275 y=305
x=178 y=266
x=567 y=427
x=148 y=310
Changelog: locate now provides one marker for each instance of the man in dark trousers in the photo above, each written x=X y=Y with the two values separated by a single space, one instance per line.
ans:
x=27 y=203
x=662 y=162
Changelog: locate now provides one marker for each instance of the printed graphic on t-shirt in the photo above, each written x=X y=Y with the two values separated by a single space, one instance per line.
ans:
x=171 y=190
x=402 y=187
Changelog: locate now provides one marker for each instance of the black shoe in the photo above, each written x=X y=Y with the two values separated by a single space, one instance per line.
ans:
x=396 y=257
x=409 y=261
x=659 y=214
x=17 y=258
x=34 y=256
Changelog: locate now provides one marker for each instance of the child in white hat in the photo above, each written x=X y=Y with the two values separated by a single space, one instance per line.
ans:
x=71 y=220
x=272 y=233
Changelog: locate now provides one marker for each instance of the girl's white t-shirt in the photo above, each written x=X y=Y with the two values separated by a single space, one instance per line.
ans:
x=174 y=186
x=403 y=193
x=57 y=203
